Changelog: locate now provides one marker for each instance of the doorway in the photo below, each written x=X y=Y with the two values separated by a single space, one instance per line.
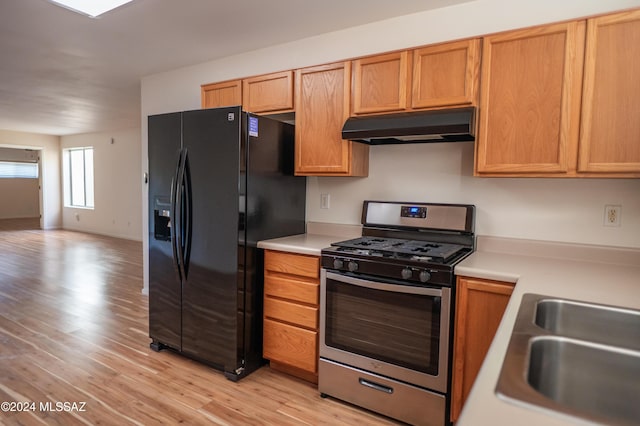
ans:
x=21 y=188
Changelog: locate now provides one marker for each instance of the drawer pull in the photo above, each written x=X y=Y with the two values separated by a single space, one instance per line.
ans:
x=376 y=386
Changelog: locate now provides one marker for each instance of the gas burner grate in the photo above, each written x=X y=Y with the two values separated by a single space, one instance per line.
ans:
x=401 y=248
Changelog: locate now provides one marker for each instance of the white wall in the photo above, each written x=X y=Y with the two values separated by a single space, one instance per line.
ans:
x=117 y=185
x=567 y=210
x=49 y=147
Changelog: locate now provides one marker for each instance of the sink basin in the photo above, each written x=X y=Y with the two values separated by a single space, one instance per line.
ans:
x=576 y=359
x=595 y=323
x=595 y=380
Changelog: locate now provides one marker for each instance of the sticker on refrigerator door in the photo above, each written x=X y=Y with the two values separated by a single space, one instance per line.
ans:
x=253 y=126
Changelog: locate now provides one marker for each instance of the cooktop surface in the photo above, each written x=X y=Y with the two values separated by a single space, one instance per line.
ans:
x=402 y=248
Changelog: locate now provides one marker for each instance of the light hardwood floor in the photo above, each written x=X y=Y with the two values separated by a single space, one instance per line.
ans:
x=73 y=329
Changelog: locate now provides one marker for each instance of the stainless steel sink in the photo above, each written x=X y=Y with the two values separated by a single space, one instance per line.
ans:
x=595 y=323
x=574 y=359
x=596 y=380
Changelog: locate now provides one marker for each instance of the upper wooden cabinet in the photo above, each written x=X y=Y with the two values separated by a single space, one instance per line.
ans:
x=610 y=128
x=530 y=100
x=322 y=106
x=226 y=93
x=562 y=100
x=446 y=74
x=268 y=93
x=430 y=77
x=558 y=100
x=381 y=83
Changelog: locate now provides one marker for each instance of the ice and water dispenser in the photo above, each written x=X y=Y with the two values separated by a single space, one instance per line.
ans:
x=162 y=219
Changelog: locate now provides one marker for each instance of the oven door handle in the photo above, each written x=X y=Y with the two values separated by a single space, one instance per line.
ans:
x=396 y=288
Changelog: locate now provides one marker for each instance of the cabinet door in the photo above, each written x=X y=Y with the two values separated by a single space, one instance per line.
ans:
x=268 y=93
x=530 y=100
x=322 y=106
x=227 y=93
x=381 y=83
x=610 y=131
x=446 y=74
x=479 y=308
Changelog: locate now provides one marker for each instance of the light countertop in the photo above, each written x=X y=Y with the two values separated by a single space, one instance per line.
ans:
x=319 y=235
x=603 y=275
x=301 y=244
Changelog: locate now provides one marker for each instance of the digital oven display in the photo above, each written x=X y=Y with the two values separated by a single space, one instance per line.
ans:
x=413 y=211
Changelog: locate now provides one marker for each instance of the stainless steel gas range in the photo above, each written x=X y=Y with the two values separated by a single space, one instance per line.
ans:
x=386 y=309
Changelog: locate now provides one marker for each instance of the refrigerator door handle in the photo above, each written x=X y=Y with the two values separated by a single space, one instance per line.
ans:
x=175 y=216
x=186 y=226
x=180 y=208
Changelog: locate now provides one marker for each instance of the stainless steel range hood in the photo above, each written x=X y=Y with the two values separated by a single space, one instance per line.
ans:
x=449 y=125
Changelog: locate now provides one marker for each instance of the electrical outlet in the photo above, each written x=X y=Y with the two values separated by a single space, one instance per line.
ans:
x=612 y=215
x=324 y=201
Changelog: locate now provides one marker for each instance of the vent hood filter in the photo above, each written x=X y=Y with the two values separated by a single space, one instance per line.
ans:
x=450 y=125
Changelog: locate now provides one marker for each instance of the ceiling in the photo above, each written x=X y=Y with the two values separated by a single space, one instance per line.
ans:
x=64 y=73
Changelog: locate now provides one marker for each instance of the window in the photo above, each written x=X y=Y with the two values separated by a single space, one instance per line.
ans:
x=78 y=166
x=14 y=169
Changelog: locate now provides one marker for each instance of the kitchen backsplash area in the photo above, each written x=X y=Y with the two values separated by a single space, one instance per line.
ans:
x=569 y=210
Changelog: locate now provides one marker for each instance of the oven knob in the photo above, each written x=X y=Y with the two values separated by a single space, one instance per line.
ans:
x=353 y=266
x=338 y=263
x=406 y=273
x=425 y=276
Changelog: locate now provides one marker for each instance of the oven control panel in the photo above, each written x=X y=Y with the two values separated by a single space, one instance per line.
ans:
x=419 y=216
x=431 y=275
x=413 y=212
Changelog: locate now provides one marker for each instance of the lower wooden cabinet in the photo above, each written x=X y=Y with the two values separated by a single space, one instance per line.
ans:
x=480 y=305
x=291 y=297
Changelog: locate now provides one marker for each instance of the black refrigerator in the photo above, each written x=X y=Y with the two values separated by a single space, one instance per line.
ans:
x=220 y=180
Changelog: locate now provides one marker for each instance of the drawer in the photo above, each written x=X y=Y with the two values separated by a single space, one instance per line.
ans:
x=290 y=345
x=289 y=263
x=398 y=400
x=305 y=316
x=285 y=288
